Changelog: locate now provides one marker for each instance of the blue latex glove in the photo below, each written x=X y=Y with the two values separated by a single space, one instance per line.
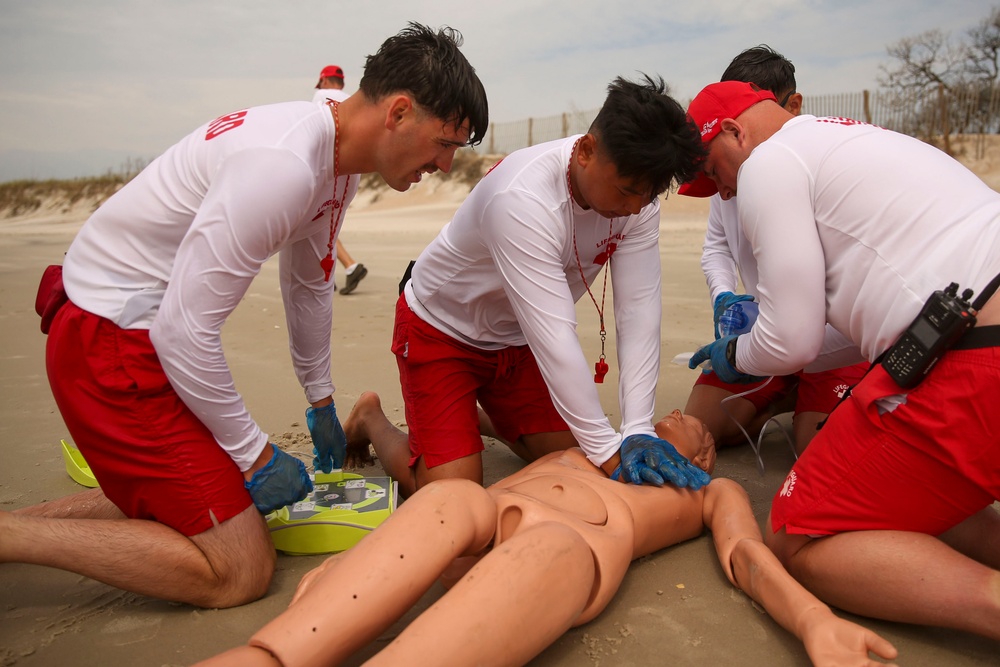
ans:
x=722 y=304
x=646 y=458
x=329 y=441
x=281 y=482
x=722 y=355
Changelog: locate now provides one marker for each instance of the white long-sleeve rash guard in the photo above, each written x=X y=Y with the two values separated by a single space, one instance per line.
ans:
x=504 y=272
x=855 y=225
x=727 y=257
x=175 y=250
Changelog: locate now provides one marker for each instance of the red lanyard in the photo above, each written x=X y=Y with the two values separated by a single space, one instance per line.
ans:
x=601 y=367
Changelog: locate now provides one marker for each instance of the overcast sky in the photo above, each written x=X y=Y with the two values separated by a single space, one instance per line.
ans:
x=85 y=85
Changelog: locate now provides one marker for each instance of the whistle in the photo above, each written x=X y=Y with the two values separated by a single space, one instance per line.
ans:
x=600 y=370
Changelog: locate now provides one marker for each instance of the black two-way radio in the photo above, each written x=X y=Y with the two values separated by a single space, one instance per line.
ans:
x=942 y=321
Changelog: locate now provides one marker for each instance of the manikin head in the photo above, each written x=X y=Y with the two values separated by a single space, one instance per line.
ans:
x=690 y=437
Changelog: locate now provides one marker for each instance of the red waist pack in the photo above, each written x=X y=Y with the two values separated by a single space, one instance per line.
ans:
x=51 y=295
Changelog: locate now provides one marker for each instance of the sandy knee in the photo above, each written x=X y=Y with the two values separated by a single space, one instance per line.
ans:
x=242 y=558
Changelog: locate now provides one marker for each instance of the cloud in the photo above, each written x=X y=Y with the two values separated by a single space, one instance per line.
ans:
x=129 y=78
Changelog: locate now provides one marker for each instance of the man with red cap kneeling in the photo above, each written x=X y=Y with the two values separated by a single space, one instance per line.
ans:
x=888 y=512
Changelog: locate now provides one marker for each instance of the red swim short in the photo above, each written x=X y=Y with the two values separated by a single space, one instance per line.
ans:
x=152 y=457
x=816 y=392
x=924 y=467
x=442 y=379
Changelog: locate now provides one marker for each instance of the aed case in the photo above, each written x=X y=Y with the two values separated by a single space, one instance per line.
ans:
x=343 y=508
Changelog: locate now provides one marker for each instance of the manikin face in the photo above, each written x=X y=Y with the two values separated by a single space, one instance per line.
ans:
x=602 y=189
x=690 y=437
x=418 y=144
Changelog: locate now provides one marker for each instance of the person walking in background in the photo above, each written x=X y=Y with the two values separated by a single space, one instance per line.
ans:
x=331 y=87
x=728 y=256
x=134 y=353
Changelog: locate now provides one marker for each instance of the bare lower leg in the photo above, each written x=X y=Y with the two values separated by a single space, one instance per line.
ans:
x=368 y=425
x=486 y=428
x=723 y=420
x=536 y=445
x=89 y=504
x=897 y=576
x=978 y=537
x=529 y=447
x=804 y=426
x=228 y=565
x=343 y=256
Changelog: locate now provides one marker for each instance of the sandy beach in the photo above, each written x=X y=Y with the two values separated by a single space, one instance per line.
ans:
x=675 y=607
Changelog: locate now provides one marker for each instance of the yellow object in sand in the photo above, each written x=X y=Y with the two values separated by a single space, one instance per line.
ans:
x=343 y=508
x=76 y=466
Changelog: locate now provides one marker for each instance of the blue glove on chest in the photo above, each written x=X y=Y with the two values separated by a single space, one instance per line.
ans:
x=329 y=441
x=646 y=458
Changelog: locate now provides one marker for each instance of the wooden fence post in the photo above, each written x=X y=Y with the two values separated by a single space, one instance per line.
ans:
x=945 y=126
x=868 y=108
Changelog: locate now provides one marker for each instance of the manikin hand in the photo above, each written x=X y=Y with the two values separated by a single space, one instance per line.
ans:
x=646 y=458
x=722 y=304
x=832 y=641
x=329 y=441
x=722 y=354
x=281 y=482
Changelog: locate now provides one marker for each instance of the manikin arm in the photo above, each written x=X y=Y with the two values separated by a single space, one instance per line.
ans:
x=752 y=567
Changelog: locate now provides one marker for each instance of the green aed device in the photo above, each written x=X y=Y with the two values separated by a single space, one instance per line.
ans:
x=342 y=508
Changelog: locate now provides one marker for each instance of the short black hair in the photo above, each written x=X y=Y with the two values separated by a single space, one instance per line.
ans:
x=765 y=67
x=428 y=65
x=647 y=135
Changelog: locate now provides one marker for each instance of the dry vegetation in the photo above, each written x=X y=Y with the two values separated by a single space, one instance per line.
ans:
x=466 y=170
x=19 y=198
x=23 y=198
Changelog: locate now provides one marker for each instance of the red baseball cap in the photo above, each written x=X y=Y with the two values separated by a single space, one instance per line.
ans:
x=716 y=102
x=332 y=71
